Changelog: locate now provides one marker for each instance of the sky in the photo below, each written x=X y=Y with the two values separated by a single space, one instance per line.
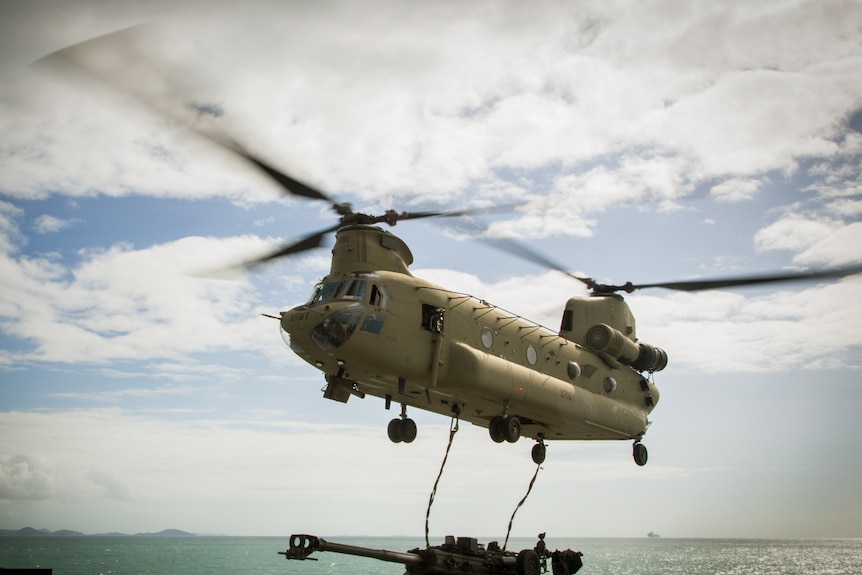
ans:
x=645 y=142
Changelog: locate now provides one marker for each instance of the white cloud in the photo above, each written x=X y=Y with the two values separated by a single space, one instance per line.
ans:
x=437 y=118
x=262 y=475
x=794 y=233
x=48 y=224
x=269 y=475
x=722 y=332
x=25 y=477
x=840 y=247
x=846 y=208
x=10 y=235
x=122 y=303
x=547 y=222
x=736 y=189
x=752 y=122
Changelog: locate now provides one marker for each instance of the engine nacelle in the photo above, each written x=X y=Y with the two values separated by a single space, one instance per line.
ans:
x=605 y=340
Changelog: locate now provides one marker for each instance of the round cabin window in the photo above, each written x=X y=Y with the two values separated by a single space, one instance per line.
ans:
x=487 y=337
x=532 y=355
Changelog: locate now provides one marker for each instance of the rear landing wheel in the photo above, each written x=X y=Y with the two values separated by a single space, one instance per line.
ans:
x=505 y=428
x=539 y=452
x=639 y=452
x=511 y=428
x=495 y=428
x=401 y=430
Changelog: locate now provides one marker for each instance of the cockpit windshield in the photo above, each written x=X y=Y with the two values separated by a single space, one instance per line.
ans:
x=323 y=291
x=352 y=289
x=355 y=287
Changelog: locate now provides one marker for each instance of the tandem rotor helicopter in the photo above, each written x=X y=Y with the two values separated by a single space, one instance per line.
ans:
x=373 y=328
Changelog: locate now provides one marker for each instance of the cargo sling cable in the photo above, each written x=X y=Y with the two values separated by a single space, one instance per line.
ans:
x=453 y=429
x=521 y=502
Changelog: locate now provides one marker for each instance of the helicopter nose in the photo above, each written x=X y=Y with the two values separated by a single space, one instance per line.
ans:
x=336 y=328
x=294 y=326
x=327 y=328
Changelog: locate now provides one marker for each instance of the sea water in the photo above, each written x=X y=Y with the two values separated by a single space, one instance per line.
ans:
x=95 y=555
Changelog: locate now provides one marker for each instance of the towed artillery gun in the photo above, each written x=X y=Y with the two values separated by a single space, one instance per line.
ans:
x=454 y=557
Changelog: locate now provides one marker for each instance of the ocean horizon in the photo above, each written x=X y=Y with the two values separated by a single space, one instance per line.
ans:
x=208 y=554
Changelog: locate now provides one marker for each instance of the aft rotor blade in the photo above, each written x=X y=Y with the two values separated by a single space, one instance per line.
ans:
x=699 y=285
x=515 y=248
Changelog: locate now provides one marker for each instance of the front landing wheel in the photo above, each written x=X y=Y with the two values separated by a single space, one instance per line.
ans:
x=640 y=454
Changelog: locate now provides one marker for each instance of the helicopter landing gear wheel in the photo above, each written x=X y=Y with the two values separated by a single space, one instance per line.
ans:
x=394 y=431
x=511 y=428
x=408 y=430
x=505 y=428
x=539 y=452
x=496 y=429
x=640 y=454
x=401 y=430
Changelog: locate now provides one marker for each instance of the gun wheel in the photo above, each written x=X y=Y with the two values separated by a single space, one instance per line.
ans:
x=528 y=563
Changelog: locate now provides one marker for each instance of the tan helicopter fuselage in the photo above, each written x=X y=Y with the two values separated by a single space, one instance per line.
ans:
x=374 y=329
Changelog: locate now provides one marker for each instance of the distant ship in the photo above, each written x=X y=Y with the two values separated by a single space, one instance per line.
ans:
x=652 y=534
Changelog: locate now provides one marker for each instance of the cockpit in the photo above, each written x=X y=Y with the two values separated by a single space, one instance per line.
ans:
x=358 y=301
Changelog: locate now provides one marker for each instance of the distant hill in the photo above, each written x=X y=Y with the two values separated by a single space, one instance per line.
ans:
x=167 y=533
x=31 y=532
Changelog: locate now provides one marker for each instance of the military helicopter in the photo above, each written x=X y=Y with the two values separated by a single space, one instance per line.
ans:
x=373 y=328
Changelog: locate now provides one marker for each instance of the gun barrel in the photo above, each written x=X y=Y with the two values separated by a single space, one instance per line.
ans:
x=301 y=546
x=381 y=554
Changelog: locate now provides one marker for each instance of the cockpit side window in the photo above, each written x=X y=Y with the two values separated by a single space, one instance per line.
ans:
x=379 y=297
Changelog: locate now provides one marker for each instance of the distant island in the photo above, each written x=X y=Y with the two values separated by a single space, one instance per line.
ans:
x=31 y=532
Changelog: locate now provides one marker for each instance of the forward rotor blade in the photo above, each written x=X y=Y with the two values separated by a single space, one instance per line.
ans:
x=309 y=242
x=456 y=213
x=699 y=285
x=288 y=184
x=115 y=61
